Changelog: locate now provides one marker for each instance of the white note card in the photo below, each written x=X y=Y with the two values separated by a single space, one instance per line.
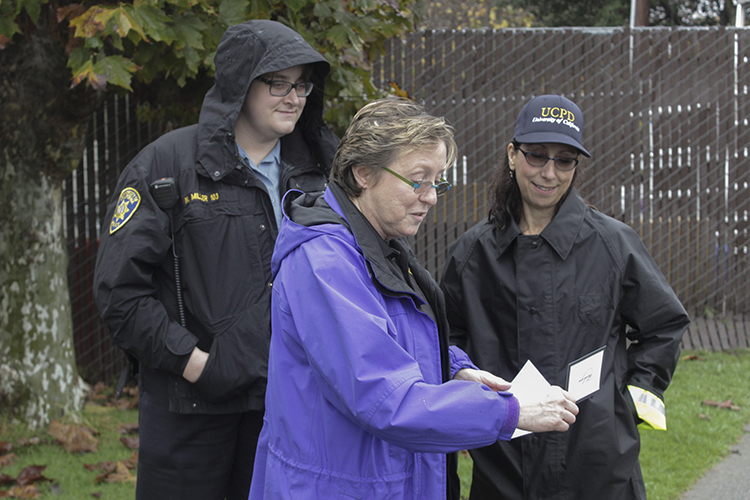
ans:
x=528 y=380
x=585 y=374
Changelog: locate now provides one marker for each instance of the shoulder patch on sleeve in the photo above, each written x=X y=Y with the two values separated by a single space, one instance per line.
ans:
x=126 y=205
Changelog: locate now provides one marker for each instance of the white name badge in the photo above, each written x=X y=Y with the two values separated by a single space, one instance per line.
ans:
x=585 y=374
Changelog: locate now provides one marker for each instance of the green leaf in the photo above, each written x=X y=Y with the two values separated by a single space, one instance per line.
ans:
x=192 y=59
x=86 y=73
x=33 y=7
x=93 y=42
x=338 y=34
x=91 y=22
x=232 y=11
x=78 y=57
x=323 y=10
x=154 y=23
x=122 y=23
x=8 y=27
x=188 y=32
x=7 y=10
x=295 y=5
x=364 y=5
x=117 y=70
x=148 y=56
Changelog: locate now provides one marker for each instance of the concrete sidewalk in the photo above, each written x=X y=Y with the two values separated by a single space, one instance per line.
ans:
x=729 y=480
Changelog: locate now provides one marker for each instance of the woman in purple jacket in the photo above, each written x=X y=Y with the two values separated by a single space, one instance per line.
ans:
x=365 y=399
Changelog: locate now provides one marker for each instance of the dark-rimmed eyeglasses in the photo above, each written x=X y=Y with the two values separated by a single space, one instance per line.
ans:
x=441 y=187
x=564 y=163
x=280 y=88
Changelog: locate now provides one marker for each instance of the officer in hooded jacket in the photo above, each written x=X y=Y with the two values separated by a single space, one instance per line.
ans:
x=199 y=331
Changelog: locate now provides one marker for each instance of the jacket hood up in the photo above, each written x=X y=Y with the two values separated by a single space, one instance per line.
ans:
x=245 y=52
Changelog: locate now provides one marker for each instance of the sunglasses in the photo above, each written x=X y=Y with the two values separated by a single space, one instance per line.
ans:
x=563 y=163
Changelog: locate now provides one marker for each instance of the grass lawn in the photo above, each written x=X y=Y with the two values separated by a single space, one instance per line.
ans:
x=68 y=478
x=699 y=436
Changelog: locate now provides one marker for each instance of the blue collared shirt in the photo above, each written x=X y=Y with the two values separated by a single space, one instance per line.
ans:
x=268 y=172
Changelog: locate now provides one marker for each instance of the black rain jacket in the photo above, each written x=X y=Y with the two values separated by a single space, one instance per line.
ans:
x=586 y=282
x=224 y=230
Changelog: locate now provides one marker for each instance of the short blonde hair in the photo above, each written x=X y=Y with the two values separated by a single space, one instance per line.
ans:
x=381 y=132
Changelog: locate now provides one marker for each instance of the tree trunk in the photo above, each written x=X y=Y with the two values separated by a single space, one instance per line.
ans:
x=38 y=375
x=42 y=132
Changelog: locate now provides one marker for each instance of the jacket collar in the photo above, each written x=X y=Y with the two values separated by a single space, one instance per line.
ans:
x=560 y=233
x=374 y=248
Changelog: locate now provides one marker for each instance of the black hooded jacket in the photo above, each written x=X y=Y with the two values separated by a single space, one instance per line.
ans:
x=586 y=282
x=224 y=231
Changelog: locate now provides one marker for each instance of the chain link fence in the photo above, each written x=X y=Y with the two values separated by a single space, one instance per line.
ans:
x=666 y=114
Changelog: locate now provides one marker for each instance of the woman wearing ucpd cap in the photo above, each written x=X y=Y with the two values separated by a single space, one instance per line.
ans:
x=549 y=280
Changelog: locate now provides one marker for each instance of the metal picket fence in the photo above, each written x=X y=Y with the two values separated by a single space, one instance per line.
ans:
x=666 y=122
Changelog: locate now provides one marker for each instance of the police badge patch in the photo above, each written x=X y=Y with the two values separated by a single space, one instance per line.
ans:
x=126 y=205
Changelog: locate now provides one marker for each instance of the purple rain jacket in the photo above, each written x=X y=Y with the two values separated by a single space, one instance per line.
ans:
x=359 y=403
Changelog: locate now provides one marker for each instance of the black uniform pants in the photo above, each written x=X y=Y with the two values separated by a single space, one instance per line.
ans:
x=196 y=456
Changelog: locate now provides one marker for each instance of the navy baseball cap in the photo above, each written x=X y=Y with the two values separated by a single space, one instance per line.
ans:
x=551 y=118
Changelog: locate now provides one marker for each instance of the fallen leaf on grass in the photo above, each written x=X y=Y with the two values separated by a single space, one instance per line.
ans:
x=112 y=471
x=31 y=475
x=128 y=401
x=74 y=438
x=5 y=479
x=29 y=441
x=25 y=487
x=98 y=388
x=125 y=404
x=6 y=448
x=692 y=357
x=130 y=442
x=28 y=491
x=703 y=416
x=106 y=468
x=128 y=428
x=728 y=404
x=96 y=394
x=102 y=395
x=132 y=462
x=131 y=391
x=121 y=475
x=7 y=459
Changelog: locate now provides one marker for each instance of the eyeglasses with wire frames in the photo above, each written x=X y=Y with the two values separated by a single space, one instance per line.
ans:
x=564 y=163
x=441 y=187
x=280 y=88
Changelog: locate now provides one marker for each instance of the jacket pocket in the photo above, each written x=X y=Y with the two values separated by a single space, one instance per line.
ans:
x=238 y=361
x=593 y=309
x=225 y=260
